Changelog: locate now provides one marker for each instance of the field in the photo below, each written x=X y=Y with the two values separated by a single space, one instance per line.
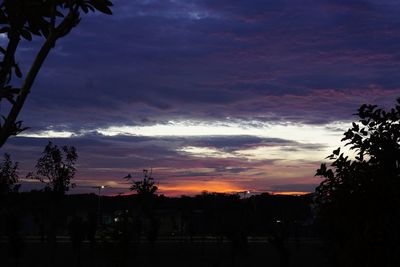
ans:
x=166 y=252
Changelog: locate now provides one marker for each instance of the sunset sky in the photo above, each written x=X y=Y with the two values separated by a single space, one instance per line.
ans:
x=217 y=95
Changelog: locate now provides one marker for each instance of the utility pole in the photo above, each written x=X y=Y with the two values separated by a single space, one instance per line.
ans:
x=99 y=215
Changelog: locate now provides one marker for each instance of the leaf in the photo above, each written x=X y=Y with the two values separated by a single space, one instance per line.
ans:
x=355 y=127
x=336 y=151
x=321 y=171
x=102 y=6
x=27 y=35
x=364 y=132
x=330 y=174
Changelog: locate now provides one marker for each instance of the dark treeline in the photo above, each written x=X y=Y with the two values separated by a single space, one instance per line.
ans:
x=220 y=228
x=210 y=214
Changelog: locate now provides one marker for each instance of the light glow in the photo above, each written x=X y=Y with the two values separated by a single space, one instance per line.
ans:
x=205 y=152
x=48 y=134
x=196 y=187
x=329 y=134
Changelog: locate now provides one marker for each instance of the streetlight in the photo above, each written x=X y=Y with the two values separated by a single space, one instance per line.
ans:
x=245 y=193
x=99 y=187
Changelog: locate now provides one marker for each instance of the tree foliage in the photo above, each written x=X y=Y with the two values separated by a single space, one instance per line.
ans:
x=48 y=20
x=8 y=176
x=375 y=168
x=144 y=187
x=56 y=168
x=358 y=201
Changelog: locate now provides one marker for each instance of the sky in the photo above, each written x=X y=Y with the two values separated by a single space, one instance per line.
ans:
x=211 y=95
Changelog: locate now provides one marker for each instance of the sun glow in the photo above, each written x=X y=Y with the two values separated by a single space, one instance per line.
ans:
x=196 y=187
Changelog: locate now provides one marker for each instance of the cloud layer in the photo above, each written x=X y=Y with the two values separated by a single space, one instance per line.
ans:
x=212 y=62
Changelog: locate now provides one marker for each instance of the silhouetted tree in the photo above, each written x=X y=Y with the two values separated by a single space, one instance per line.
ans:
x=144 y=187
x=10 y=215
x=48 y=20
x=56 y=168
x=146 y=190
x=358 y=202
x=8 y=185
x=8 y=176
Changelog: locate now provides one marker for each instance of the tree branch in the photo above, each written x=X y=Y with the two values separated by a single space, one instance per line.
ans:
x=8 y=128
x=8 y=59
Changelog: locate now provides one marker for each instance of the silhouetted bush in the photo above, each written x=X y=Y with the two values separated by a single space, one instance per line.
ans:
x=358 y=202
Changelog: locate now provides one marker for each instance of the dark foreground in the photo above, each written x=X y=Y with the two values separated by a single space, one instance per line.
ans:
x=167 y=253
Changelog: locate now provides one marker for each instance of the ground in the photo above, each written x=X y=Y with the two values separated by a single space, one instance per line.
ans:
x=166 y=253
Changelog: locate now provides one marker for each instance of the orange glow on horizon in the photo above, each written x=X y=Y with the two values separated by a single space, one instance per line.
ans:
x=291 y=193
x=195 y=187
x=176 y=191
x=188 y=188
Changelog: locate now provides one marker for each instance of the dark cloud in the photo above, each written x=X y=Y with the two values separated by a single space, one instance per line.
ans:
x=157 y=60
